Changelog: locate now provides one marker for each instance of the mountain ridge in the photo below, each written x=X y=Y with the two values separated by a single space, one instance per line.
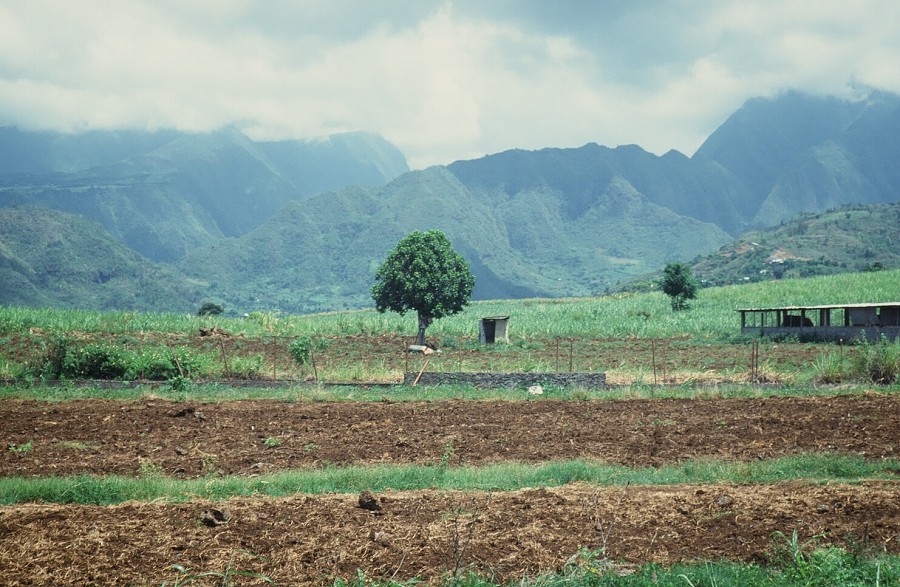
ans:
x=301 y=225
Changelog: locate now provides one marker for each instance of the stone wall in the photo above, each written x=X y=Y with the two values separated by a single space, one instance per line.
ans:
x=509 y=380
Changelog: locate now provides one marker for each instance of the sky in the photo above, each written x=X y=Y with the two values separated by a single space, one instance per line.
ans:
x=441 y=79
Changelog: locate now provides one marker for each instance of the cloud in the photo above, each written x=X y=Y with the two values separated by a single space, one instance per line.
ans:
x=443 y=80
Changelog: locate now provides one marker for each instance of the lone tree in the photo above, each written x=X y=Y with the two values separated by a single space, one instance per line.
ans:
x=679 y=284
x=423 y=273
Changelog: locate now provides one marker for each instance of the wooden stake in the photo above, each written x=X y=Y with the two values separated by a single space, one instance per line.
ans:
x=557 y=354
x=422 y=371
x=224 y=359
x=571 y=353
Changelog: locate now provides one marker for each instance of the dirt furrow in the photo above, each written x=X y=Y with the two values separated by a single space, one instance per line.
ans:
x=250 y=437
x=312 y=539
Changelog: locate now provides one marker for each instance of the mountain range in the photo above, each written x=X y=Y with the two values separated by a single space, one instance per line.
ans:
x=165 y=220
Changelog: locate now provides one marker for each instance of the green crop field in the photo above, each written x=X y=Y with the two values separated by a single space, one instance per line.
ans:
x=232 y=458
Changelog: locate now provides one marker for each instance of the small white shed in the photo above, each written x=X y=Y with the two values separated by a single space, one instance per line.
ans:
x=493 y=329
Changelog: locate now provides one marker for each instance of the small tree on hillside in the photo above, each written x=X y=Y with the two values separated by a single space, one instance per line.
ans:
x=210 y=309
x=679 y=284
x=423 y=273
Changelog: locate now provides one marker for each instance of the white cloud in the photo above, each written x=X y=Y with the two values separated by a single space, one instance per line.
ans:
x=442 y=80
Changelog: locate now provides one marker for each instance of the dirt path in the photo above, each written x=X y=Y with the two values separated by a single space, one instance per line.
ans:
x=250 y=437
x=309 y=540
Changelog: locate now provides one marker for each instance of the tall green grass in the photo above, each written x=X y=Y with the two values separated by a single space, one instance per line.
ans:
x=500 y=477
x=623 y=315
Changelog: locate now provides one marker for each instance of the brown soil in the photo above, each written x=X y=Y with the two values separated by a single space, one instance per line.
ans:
x=251 y=437
x=309 y=540
x=312 y=539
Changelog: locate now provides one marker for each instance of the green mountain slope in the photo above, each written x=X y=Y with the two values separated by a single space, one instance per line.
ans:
x=50 y=258
x=172 y=192
x=853 y=238
x=698 y=189
x=321 y=253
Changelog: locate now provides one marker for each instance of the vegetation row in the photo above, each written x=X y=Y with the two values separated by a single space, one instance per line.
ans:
x=152 y=485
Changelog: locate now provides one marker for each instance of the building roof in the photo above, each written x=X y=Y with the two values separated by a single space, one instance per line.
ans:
x=825 y=307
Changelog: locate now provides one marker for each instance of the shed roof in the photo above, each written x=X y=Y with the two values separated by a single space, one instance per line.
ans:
x=824 y=307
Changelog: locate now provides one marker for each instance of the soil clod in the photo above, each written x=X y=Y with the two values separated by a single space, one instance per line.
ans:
x=367 y=501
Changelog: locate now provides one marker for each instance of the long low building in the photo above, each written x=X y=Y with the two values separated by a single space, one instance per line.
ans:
x=832 y=322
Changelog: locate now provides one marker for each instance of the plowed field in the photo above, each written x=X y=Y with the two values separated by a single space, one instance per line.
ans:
x=312 y=539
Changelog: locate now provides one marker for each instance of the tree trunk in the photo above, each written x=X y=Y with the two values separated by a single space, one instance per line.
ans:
x=424 y=322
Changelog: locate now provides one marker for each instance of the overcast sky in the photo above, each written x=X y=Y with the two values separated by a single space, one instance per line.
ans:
x=443 y=80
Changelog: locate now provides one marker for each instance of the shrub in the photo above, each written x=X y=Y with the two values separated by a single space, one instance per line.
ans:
x=51 y=365
x=829 y=368
x=246 y=367
x=879 y=362
x=95 y=361
x=209 y=309
x=303 y=347
x=153 y=363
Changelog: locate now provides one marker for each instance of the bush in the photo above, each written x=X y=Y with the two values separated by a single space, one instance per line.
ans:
x=246 y=367
x=210 y=309
x=96 y=361
x=66 y=359
x=51 y=365
x=879 y=362
x=876 y=363
x=303 y=347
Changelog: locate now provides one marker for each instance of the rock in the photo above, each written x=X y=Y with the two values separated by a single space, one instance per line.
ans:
x=536 y=390
x=367 y=501
x=213 y=517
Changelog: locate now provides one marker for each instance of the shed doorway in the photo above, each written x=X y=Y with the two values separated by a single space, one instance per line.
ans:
x=493 y=329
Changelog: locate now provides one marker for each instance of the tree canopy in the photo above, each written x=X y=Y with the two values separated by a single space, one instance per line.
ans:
x=679 y=284
x=423 y=274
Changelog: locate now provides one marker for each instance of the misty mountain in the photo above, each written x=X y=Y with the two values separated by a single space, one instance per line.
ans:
x=171 y=192
x=801 y=153
x=321 y=253
x=697 y=189
x=302 y=225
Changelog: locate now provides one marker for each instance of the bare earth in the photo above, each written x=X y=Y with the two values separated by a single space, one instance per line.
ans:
x=313 y=539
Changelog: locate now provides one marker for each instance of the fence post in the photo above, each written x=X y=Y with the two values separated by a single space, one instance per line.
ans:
x=274 y=359
x=557 y=354
x=571 y=354
x=224 y=359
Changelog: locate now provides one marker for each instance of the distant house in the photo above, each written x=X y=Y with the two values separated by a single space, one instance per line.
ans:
x=834 y=322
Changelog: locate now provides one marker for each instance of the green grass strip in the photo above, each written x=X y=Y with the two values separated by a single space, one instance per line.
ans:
x=500 y=477
x=213 y=393
x=808 y=567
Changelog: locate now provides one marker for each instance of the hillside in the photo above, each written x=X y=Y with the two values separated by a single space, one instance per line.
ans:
x=50 y=258
x=165 y=193
x=697 y=189
x=848 y=239
x=321 y=253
